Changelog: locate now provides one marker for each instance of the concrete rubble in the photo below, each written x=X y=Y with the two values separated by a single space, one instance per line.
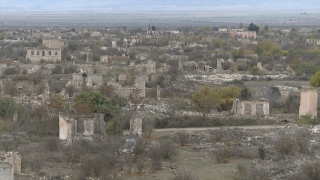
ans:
x=223 y=78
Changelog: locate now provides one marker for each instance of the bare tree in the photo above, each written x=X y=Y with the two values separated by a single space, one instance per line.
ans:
x=9 y=87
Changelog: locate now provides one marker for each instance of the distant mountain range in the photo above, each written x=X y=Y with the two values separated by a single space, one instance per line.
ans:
x=151 y=5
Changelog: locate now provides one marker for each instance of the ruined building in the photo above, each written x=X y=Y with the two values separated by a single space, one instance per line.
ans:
x=219 y=64
x=244 y=34
x=126 y=91
x=116 y=60
x=151 y=67
x=136 y=125
x=104 y=58
x=250 y=108
x=85 y=127
x=313 y=41
x=93 y=81
x=36 y=55
x=53 y=43
x=10 y=165
x=308 y=102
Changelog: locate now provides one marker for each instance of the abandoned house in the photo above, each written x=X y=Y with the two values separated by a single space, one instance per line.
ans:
x=308 y=102
x=244 y=34
x=250 y=108
x=85 y=127
x=313 y=41
x=36 y=55
x=94 y=81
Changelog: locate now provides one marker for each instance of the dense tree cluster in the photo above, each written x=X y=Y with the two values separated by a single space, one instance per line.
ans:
x=253 y=27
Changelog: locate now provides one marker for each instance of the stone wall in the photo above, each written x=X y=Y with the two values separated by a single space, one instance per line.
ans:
x=313 y=41
x=219 y=64
x=53 y=43
x=6 y=171
x=244 y=34
x=114 y=44
x=10 y=164
x=249 y=34
x=308 y=102
x=104 y=58
x=136 y=125
x=36 y=55
x=86 y=127
x=250 y=108
x=94 y=81
x=151 y=67
x=67 y=127
x=88 y=124
x=126 y=91
x=3 y=67
x=259 y=65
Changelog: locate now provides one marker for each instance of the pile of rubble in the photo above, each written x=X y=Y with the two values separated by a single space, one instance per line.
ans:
x=223 y=78
x=287 y=88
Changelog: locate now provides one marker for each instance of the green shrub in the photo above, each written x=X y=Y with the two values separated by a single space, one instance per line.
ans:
x=307 y=120
x=262 y=152
x=254 y=70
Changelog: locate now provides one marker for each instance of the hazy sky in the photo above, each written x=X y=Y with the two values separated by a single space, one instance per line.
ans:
x=143 y=5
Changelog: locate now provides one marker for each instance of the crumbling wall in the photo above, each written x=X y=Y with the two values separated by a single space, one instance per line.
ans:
x=88 y=127
x=219 y=64
x=136 y=125
x=85 y=127
x=259 y=65
x=180 y=65
x=53 y=43
x=127 y=91
x=249 y=34
x=10 y=163
x=151 y=67
x=114 y=44
x=251 y=108
x=104 y=58
x=100 y=126
x=243 y=34
x=94 y=81
x=67 y=127
x=308 y=102
x=6 y=171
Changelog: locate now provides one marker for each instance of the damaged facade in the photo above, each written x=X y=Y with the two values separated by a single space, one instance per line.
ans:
x=36 y=55
x=126 y=91
x=308 y=103
x=244 y=34
x=53 y=43
x=151 y=67
x=86 y=127
x=250 y=108
x=10 y=165
x=136 y=125
x=94 y=81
